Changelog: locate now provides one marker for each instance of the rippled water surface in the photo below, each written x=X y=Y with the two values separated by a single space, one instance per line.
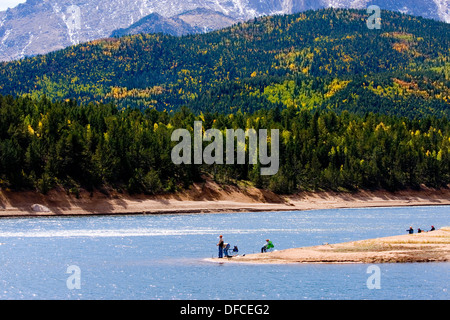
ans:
x=162 y=257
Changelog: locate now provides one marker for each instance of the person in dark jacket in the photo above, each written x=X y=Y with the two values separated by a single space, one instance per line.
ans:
x=410 y=230
x=220 y=245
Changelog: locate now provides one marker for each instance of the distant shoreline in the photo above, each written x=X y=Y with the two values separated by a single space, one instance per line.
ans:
x=208 y=197
x=433 y=246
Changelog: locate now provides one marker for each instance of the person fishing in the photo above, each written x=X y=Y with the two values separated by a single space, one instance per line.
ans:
x=226 y=247
x=220 y=245
x=267 y=246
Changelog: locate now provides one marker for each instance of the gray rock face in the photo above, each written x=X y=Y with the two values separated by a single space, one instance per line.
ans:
x=41 y=26
x=193 y=21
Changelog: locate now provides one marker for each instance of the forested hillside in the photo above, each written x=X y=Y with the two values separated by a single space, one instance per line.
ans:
x=326 y=59
x=44 y=145
x=356 y=108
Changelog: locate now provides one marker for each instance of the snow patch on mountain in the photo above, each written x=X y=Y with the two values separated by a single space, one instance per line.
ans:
x=55 y=24
x=443 y=9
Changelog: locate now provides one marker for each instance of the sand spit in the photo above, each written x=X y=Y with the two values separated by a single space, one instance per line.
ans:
x=431 y=246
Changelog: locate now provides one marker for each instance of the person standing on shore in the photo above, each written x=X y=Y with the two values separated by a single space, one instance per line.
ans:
x=410 y=230
x=220 y=245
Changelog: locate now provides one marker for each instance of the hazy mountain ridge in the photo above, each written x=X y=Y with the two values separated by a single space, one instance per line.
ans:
x=193 y=21
x=155 y=23
x=41 y=26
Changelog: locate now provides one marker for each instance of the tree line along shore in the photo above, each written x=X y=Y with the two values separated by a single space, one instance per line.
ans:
x=46 y=145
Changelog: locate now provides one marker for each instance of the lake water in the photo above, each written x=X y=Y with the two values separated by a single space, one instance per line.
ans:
x=162 y=256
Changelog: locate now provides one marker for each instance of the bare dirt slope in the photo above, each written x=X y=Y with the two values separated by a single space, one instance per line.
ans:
x=208 y=197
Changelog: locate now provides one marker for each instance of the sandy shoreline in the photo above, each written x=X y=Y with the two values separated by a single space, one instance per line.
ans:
x=208 y=197
x=424 y=247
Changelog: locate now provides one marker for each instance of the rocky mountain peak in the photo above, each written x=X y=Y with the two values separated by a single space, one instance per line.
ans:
x=41 y=26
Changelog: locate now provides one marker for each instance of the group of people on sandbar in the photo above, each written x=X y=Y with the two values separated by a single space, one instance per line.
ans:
x=411 y=230
x=224 y=248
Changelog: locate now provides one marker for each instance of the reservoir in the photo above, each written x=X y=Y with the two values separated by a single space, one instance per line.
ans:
x=163 y=256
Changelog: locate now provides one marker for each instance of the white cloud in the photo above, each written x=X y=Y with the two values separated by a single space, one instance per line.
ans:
x=5 y=4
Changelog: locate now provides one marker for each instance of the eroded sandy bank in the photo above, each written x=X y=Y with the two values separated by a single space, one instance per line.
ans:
x=209 y=197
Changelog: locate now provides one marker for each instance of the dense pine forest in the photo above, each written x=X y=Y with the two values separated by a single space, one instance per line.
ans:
x=356 y=108
x=45 y=144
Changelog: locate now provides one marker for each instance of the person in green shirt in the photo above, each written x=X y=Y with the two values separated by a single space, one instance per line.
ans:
x=267 y=246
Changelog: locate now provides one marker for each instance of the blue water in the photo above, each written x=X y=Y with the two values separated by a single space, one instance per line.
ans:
x=163 y=257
